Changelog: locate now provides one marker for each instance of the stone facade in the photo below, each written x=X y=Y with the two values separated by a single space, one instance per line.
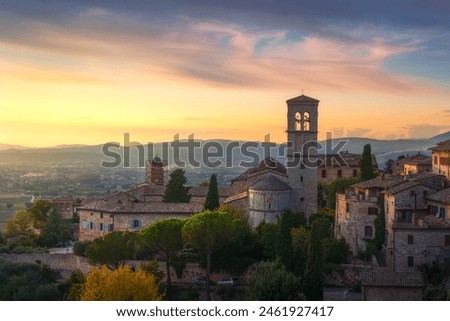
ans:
x=405 y=165
x=355 y=220
x=302 y=130
x=96 y=223
x=345 y=165
x=67 y=206
x=267 y=200
x=419 y=245
x=441 y=158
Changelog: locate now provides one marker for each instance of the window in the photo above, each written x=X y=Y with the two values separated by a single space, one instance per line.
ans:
x=306 y=122
x=110 y=227
x=135 y=224
x=91 y=225
x=101 y=227
x=410 y=239
x=447 y=240
x=298 y=121
x=347 y=207
x=368 y=231
x=270 y=206
x=339 y=173
x=84 y=224
x=324 y=173
x=301 y=178
x=433 y=210
x=355 y=173
x=372 y=210
x=410 y=261
x=425 y=193
x=302 y=199
x=441 y=212
x=101 y=214
x=412 y=193
x=435 y=160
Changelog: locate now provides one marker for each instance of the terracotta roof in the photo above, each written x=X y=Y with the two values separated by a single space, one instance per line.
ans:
x=442 y=196
x=270 y=183
x=350 y=159
x=66 y=199
x=267 y=164
x=235 y=197
x=380 y=182
x=302 y=98
x=120 y=205
x=433 y=222
x=442 y=146
x=417 y=157
x=402 y=187
x=392 y=279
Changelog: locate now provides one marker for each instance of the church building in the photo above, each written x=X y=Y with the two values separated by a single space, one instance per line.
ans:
x=263 y=192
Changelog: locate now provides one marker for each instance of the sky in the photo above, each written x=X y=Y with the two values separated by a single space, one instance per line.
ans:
x=86 y=72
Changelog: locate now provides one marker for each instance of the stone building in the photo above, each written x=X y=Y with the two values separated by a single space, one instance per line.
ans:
x=263 y=192
x=441 y=158
x=67 y=205
x=358 y=207
x=392 y=286
x=417 y=166
x=266 y=190
x=302 y=130
x=410 y=164
x=344 y=165
x=134 y=209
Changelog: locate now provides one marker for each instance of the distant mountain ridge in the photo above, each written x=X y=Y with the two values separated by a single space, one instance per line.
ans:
x=92 y=154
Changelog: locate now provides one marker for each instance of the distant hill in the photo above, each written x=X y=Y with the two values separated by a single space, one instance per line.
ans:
x=91 y=155
x=9 y=146
x=391 y=149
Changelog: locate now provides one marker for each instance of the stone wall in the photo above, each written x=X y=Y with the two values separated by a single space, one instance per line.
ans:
x=331 y=173
x=352 y=220
x=428 y=247
x=380 y=293
x=65 y=264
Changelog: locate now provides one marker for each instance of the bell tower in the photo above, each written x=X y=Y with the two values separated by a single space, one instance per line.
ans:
x=155 y=171
x=302 y=130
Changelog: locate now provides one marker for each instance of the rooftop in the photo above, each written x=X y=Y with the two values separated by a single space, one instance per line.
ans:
x=270 y=183
x=442 y=146
x=348 y=159
x=267 y=164
x=302 y=99
x=441 y=197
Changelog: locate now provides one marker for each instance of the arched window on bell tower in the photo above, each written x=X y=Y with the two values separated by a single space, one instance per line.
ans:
x=298 y=121
x=306 y=122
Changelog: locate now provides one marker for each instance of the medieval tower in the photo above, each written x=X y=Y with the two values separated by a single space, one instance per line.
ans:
x=155 y=171
x=302 y=129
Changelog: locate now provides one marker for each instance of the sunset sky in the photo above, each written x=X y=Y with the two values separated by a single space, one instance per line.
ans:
x=85 y=72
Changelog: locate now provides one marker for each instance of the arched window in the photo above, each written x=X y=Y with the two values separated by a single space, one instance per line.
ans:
x=368 y=231
x=306 y=122
x=298 y=121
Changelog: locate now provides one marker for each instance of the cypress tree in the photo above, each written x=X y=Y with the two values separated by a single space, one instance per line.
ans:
x=176 y=191
x=365 y=166
x=313 y=279
x=212 y=198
